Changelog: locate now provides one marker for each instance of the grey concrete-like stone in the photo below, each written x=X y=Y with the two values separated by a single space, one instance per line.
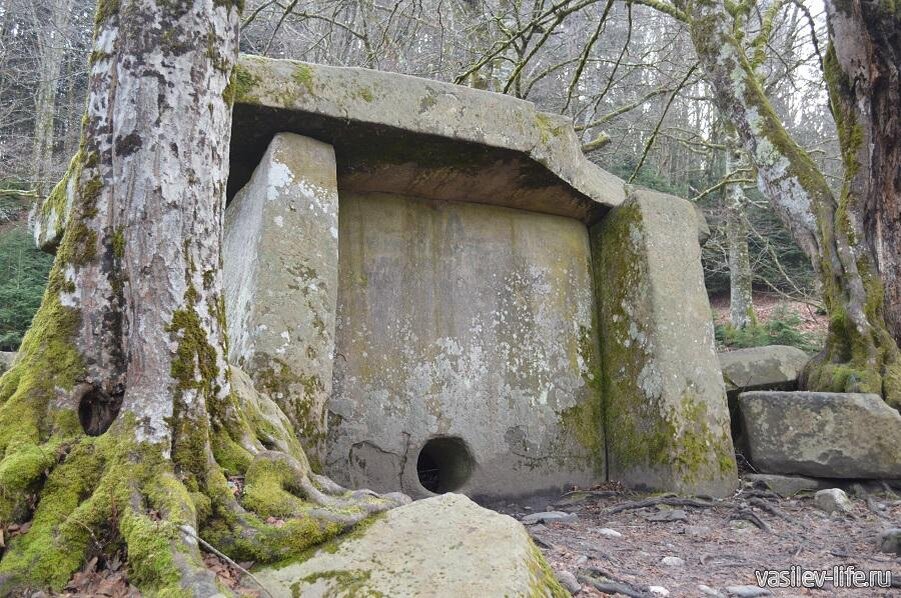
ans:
x=667 y=422
x=416 y=136
x=467 y=321
x=786 y=485
x=549 y=517
x=829 y=435
x=442 y=547
x=280 y=259
x=776 y=367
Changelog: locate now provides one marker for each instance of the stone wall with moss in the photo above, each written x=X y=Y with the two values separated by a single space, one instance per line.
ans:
x=466 y=320
x=665 y=412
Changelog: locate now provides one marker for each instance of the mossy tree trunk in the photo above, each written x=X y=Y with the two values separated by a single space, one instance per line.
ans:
x=741 y=300
x=121 y=420
x=860 y=354
x=864 y=75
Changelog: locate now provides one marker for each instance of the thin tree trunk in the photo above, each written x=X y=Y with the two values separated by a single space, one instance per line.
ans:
x=120 y=416
x=741 y=301
x=860 y=354
x=51 y=41
x=864 y=72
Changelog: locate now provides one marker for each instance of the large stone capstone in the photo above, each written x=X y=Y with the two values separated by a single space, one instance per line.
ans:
x=445 y=546
x=822 y=434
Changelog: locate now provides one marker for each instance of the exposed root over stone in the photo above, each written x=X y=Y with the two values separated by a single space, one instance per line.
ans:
x=92 y=495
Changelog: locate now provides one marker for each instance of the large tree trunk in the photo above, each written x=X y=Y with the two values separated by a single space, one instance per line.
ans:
x=860 y=354
x=864 y=74
x=121 y=418
x=741 y=302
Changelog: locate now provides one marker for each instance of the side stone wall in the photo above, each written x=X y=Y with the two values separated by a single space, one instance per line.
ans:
x=464 y=322
x=666 y=416
x=280 y=254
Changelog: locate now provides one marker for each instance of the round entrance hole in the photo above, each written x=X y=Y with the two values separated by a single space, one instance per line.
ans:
x=444 y=464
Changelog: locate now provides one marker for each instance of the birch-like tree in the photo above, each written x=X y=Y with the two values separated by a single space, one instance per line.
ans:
x=121 y=419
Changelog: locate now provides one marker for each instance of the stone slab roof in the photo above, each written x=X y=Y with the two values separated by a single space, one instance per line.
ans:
x=397 y=133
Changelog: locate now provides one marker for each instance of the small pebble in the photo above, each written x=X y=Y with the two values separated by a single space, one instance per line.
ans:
x=747 y=591
x=708 y=591
x=658 y=590
x=610 y=533
x=673 y=561
x=832 y=500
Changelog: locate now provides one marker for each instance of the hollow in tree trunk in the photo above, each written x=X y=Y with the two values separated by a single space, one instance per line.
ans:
x=121 y=421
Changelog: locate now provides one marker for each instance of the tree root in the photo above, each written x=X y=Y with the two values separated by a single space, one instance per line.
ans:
x=85 y=495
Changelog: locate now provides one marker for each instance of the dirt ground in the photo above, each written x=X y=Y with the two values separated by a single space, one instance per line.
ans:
x=767 y=305
x=720 y=542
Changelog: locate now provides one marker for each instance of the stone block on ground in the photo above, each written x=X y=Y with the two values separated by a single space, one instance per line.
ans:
x=775 y=367
x=667 y=421
x=445 y=546
x=280 y=267
x=826 y=435
x=786 y=485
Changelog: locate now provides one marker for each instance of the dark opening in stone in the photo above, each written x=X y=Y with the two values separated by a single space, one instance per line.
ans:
x=97 y=411
x=444 y=464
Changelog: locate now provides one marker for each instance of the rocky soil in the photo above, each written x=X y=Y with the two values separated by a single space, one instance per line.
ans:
x=699 y=547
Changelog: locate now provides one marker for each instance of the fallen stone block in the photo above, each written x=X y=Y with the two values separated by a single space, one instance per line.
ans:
x=446 y=546
x=549 y=517
x=827 y=435
x=890 y=541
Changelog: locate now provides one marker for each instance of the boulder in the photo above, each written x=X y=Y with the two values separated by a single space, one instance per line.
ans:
x=775 y=367
x=828 y=435
x=445 y=546
x=890 y=541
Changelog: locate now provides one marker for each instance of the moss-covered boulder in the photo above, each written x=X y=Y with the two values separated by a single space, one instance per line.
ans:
x=446 y=546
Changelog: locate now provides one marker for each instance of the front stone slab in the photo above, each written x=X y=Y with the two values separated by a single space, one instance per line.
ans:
x=280 y=254
x=442 y=547
x=822 y=434
x=465 y=346
x=666 y=419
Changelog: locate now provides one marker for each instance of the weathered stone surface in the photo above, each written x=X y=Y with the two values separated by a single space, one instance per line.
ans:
x=829 y=435
x=831 y=500
x=280 y=259
x=785 y=485
x=420 y=137
x=469 y=322
x=775 y=367
x=667 y=422
x=6 y=360
x=890 y=541
x=446 y=546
